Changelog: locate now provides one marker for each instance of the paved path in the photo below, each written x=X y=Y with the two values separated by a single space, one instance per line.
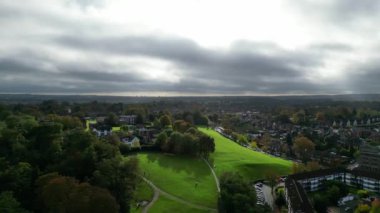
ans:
x=267 y=190
x=155 y=198
x=172 y=197
x=213 y=173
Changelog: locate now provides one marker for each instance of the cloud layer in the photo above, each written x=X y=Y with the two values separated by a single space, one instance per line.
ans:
x=87 y=47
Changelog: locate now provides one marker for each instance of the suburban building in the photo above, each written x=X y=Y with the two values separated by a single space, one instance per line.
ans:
x=132 y=142
x=128 y=119
x=297 y=185
x=369 y=158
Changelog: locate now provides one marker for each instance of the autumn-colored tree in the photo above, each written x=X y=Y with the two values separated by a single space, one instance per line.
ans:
x=298 y=168
x=303 y=147
x=265 y=141
x=272 y=177
x=181 y=126
x=57 y=193
x=320 y=117
x=375 y=206
x=312 y=166
x=363 y=208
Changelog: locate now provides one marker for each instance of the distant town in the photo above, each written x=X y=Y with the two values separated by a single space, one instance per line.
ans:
x=223 y=154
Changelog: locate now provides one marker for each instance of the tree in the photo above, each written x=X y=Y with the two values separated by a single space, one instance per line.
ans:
x=68 y=122
x=320 y=117
x=362 y=193
x=206 y=145
x=272 y=177
x=65 y=194
x=161 y=140
x=119 y=177
x=236 y=194
x=165 y=121
x=242 y=140
x=375 y=206
x=9 y=204
x=156 y=124
x=298 y=168
x=303 y=147
x=280 y=200
x=181 y=126
x=289 y=142
x=139 y=119
x=363 y=208
x=200 y=119
x=320 y=203
x=333 y=194
x=46 y=144
x=112 y=120
x=312 y=166
x=175 y=143
x=265 y=142
x=79 y=157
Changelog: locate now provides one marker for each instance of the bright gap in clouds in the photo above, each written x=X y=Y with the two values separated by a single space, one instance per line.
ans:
x=209 y=23
x=154 y=69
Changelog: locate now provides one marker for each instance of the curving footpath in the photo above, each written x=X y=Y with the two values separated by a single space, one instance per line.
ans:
x=158 y=192
x=214 y=174
x=155 y=198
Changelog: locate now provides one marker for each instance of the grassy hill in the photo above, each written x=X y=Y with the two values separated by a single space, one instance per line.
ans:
x=230 y=156
x=164 y=205
x=190 y=178
x=185 y=177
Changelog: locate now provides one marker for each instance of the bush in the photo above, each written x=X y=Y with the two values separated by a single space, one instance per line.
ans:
x=362 y=193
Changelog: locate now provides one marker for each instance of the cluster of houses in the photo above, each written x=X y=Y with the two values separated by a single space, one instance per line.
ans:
x=350 y=123
x=347 y=133
x=136 y=134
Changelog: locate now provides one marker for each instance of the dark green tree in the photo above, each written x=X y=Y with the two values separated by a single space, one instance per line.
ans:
x=236 y=194
x=119 y=177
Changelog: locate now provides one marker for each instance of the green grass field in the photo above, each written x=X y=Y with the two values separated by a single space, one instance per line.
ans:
x=164 y=205
x=184 y=177
x=116 y=129
x=230 y=156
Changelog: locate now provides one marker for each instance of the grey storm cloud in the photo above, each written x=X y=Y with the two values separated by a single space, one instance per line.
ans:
x=340 y=13
x=59 y=54
x=230 y=72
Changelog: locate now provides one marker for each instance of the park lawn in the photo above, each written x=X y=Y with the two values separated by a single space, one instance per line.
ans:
x=165 y=205
x=231 y=157
x=185 y=177
x=116 y=129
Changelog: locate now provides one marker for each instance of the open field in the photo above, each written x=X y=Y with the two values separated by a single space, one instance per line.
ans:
x=187 y=178
x=165 y=205
x=230 y=156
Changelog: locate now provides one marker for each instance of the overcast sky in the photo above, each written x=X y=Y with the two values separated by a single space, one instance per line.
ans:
x=190 y=47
